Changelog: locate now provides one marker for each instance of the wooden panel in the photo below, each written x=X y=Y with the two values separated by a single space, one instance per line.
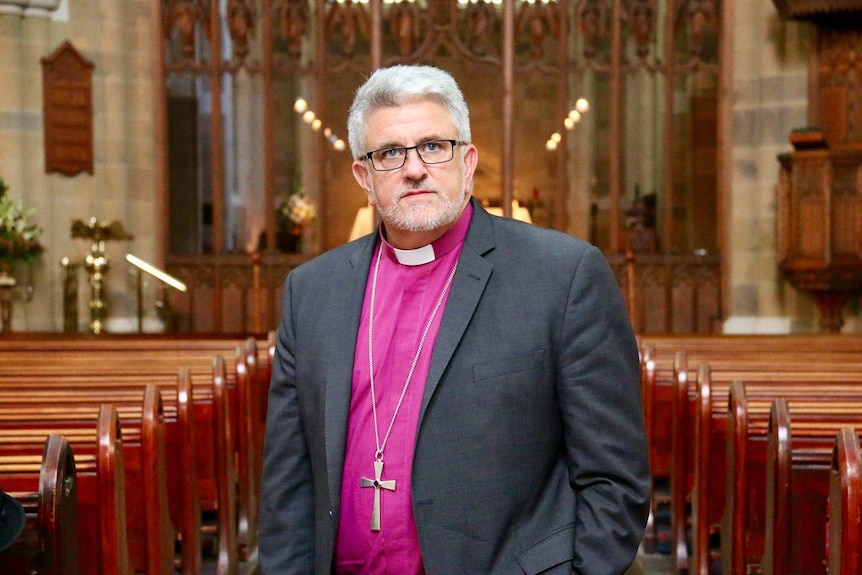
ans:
x=67 y=84
x=673 y=293
x=230 y=293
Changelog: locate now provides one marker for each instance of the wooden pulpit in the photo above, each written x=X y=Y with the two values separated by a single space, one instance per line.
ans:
x=819 y=206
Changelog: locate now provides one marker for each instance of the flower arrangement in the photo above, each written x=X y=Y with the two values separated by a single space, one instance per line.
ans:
x=19 y=236
x=294 y=213
x=99 y=231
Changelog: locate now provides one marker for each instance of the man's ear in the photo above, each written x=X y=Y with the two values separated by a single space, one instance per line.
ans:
x=361 y=175
x=471 y=160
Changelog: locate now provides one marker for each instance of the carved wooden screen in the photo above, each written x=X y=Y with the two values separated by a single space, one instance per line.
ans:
x=647 y=68
x=599 y=116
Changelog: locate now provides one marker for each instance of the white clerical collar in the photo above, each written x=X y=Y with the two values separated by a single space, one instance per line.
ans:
x=417 y=257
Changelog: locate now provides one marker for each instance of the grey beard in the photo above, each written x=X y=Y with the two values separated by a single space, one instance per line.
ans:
x=422 y=217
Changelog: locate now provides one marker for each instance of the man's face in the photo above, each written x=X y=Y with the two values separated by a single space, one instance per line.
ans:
x=417 y=202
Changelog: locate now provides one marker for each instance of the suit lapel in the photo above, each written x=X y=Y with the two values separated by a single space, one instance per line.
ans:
x=472 y=276
x=343 y=324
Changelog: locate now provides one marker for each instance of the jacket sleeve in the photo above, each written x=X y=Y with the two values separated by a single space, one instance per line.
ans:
x=605 y=441
x=286 y=537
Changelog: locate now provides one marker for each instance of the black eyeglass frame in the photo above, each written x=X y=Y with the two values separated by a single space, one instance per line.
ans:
x=416 y=147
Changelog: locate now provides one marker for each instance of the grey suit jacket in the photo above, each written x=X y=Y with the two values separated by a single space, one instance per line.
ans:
x=530 y=454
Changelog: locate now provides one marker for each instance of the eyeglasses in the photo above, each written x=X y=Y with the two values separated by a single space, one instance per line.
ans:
x=432 y=152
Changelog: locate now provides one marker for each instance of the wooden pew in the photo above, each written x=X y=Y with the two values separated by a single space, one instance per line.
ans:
x=197 y=434
x=135 y=352
x=658 y=353
x=247 y=430
x=180 y=436
x=731 y=343
x=743 y=527
x=699 y=438
x=100 y=471
x=151 y=534
x=799 y=464
x=49 y=542
x=660 y=393
x=845 y=505
x=247 y=390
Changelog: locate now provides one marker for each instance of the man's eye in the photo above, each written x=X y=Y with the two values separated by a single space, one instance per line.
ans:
x=391 y=153
x=431 y=146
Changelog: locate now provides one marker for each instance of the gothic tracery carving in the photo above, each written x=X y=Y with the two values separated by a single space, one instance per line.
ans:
x=642 y=22
x=183 y=16
x=536 y=20
x=701 y=17
x=404 y=25
x=593 y=24
x=241 y=24
x=480 y=19
x=293 y=19
x=350 y=20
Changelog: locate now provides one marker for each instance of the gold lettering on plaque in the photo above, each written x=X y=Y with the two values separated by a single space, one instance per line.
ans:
x=67 y=82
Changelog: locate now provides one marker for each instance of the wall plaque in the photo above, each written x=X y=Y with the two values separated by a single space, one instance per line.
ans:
x=67 y=92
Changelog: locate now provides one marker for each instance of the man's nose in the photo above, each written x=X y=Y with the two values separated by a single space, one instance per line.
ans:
x=413 y=162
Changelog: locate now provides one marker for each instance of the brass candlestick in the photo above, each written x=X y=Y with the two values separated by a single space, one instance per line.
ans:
x=97 y=265
x=70 y=295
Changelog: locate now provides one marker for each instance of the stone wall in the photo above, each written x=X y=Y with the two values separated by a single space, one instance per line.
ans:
x=770 y=69
x=115 y=36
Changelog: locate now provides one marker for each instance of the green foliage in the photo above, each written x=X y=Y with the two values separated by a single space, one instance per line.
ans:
x=19 y=236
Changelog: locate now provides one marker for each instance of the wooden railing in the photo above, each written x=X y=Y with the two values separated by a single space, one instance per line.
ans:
x=671 y=293
x=229 y=293
x=241 y=293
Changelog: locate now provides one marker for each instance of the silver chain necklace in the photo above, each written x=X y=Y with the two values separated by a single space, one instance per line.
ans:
x=378 y=483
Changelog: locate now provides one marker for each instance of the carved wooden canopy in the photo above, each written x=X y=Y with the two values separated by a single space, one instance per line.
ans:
x=813 y=9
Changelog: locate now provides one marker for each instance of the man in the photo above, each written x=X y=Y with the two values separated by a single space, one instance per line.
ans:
x=457 y=393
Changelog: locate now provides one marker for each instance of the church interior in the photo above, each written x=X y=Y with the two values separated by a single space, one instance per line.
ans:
x=164 y=164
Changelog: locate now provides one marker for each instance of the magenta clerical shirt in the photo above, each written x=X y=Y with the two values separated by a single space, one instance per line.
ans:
x=406 y=296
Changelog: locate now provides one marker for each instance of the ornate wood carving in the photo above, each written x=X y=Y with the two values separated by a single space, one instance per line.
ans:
x=701 y=18
x=293 y=20
x=67 y=82
x=820 y=227
x=181 y=18
x=346 y=24
x=642 y=20
x=230 y=292
x=241 y=22
x=839 y=54
x=673 y=293
x=819 y=209
x=282 y=47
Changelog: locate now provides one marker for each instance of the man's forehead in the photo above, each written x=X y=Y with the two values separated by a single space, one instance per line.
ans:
x=412 y=117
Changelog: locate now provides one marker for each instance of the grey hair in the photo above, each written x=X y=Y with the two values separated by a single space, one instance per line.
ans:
x=396 y=85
